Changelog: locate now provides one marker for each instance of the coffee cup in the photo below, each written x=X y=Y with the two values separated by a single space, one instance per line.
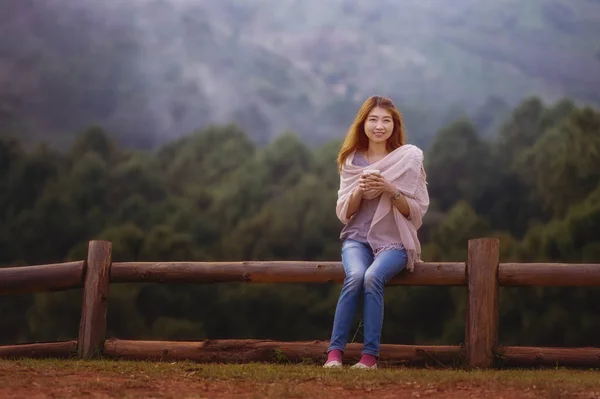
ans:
x=370 y=171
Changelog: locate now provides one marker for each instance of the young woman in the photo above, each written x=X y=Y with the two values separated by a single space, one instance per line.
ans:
x=382 y=200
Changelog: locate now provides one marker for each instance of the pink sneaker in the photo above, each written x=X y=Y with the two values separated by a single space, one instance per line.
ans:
x=334 y=359
x=360 y=365
x=333 y=364
x=367 y=362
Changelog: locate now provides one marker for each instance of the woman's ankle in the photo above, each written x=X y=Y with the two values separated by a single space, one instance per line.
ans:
x=368 y=359
x=334 y=354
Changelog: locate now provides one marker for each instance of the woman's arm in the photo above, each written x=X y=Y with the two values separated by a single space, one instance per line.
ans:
x=354 y=201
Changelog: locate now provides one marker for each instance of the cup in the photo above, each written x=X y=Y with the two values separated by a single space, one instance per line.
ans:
x=370 y=171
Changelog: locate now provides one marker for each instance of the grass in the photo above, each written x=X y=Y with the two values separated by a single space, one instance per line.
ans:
x=550 y=380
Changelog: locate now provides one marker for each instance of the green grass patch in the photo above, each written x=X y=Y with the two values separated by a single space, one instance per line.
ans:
x=551 y=380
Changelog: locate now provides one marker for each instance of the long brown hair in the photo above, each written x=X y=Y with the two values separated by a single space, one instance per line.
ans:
x=356 y=137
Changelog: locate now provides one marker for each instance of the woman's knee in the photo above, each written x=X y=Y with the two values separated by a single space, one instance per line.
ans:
x=387 y=265
x=373 y=281
x=354 y=280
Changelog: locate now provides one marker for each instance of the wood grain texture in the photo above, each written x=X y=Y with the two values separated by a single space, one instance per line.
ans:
x=549 y=274
x=449 y=273
x=41 y=278
x=92 y=327
x=481 y=334
x=64 y=349
x=248 y=350
x=552 y=357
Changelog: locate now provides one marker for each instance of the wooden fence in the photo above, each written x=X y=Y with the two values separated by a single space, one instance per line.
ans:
x=482 y=274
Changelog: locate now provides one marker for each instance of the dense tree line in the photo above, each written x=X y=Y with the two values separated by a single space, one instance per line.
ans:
x=216 y=195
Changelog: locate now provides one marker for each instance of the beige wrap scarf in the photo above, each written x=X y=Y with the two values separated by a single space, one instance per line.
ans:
x=402 y=167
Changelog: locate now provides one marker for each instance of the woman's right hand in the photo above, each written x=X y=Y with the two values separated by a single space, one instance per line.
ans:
x=362 y=186
x=365 y=183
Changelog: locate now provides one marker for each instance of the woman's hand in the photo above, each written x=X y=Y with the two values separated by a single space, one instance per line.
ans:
x=359 y=191
x=375 y=184
x=364 y=187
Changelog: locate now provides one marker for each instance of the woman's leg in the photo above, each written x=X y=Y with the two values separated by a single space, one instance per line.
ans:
x=386 y=265
x=356 y=258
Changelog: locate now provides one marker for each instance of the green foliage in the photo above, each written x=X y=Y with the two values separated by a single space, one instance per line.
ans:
x=573 y=238
x=216 y=196
x=459 y=166
x=93 y=141
x=447 y=242
x=563 y=164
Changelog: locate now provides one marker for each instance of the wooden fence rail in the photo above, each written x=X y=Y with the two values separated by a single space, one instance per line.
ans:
x=482 y=274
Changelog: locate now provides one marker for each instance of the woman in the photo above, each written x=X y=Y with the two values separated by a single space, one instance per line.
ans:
x=382 y=199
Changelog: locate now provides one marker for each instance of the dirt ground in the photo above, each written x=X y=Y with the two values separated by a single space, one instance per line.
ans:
x=34 y=382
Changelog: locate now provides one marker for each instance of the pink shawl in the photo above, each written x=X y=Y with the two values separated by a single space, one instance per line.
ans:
x=402 y=167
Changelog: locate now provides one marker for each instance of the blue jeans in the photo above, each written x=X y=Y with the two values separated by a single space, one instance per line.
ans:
x=369 y=276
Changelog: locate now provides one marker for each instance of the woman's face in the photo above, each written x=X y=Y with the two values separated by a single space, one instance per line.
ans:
x=379 y=125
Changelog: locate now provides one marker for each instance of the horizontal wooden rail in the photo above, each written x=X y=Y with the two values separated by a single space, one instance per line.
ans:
x=54 y=277
x=267 y=350
x=427 y=273
x=248 y=350
x=534 y=356
x=69 y=275
x=549 y=274
x=40 y=350
x=272 y=272
x=242 y=351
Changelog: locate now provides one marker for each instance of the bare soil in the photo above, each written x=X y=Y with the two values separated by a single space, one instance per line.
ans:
x=48 y=380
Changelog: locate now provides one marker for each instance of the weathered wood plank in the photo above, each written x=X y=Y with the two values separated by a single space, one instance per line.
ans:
x=481 y=334
x=40 y=350
x=272 y=272
x=242 y=351
x=92 y=327
x=549 y=274
x=553 y=357
x=53 y=277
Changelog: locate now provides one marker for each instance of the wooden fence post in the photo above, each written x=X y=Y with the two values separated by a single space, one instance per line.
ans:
x=92 y=327
x=481 y=335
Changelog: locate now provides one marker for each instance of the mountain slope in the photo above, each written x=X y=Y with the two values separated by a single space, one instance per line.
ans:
x=151 y=70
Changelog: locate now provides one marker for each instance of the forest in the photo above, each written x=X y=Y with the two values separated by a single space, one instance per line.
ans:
x=218 y=195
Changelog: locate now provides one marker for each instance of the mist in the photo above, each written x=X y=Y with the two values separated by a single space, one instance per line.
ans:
x=153 y=70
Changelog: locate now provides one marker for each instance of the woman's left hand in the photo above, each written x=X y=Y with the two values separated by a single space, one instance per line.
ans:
x=377 y=183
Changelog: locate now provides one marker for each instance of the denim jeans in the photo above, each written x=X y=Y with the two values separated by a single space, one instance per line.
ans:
x=368 y=276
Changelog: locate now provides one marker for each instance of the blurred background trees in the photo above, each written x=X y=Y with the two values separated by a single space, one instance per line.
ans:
x=217 y=195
